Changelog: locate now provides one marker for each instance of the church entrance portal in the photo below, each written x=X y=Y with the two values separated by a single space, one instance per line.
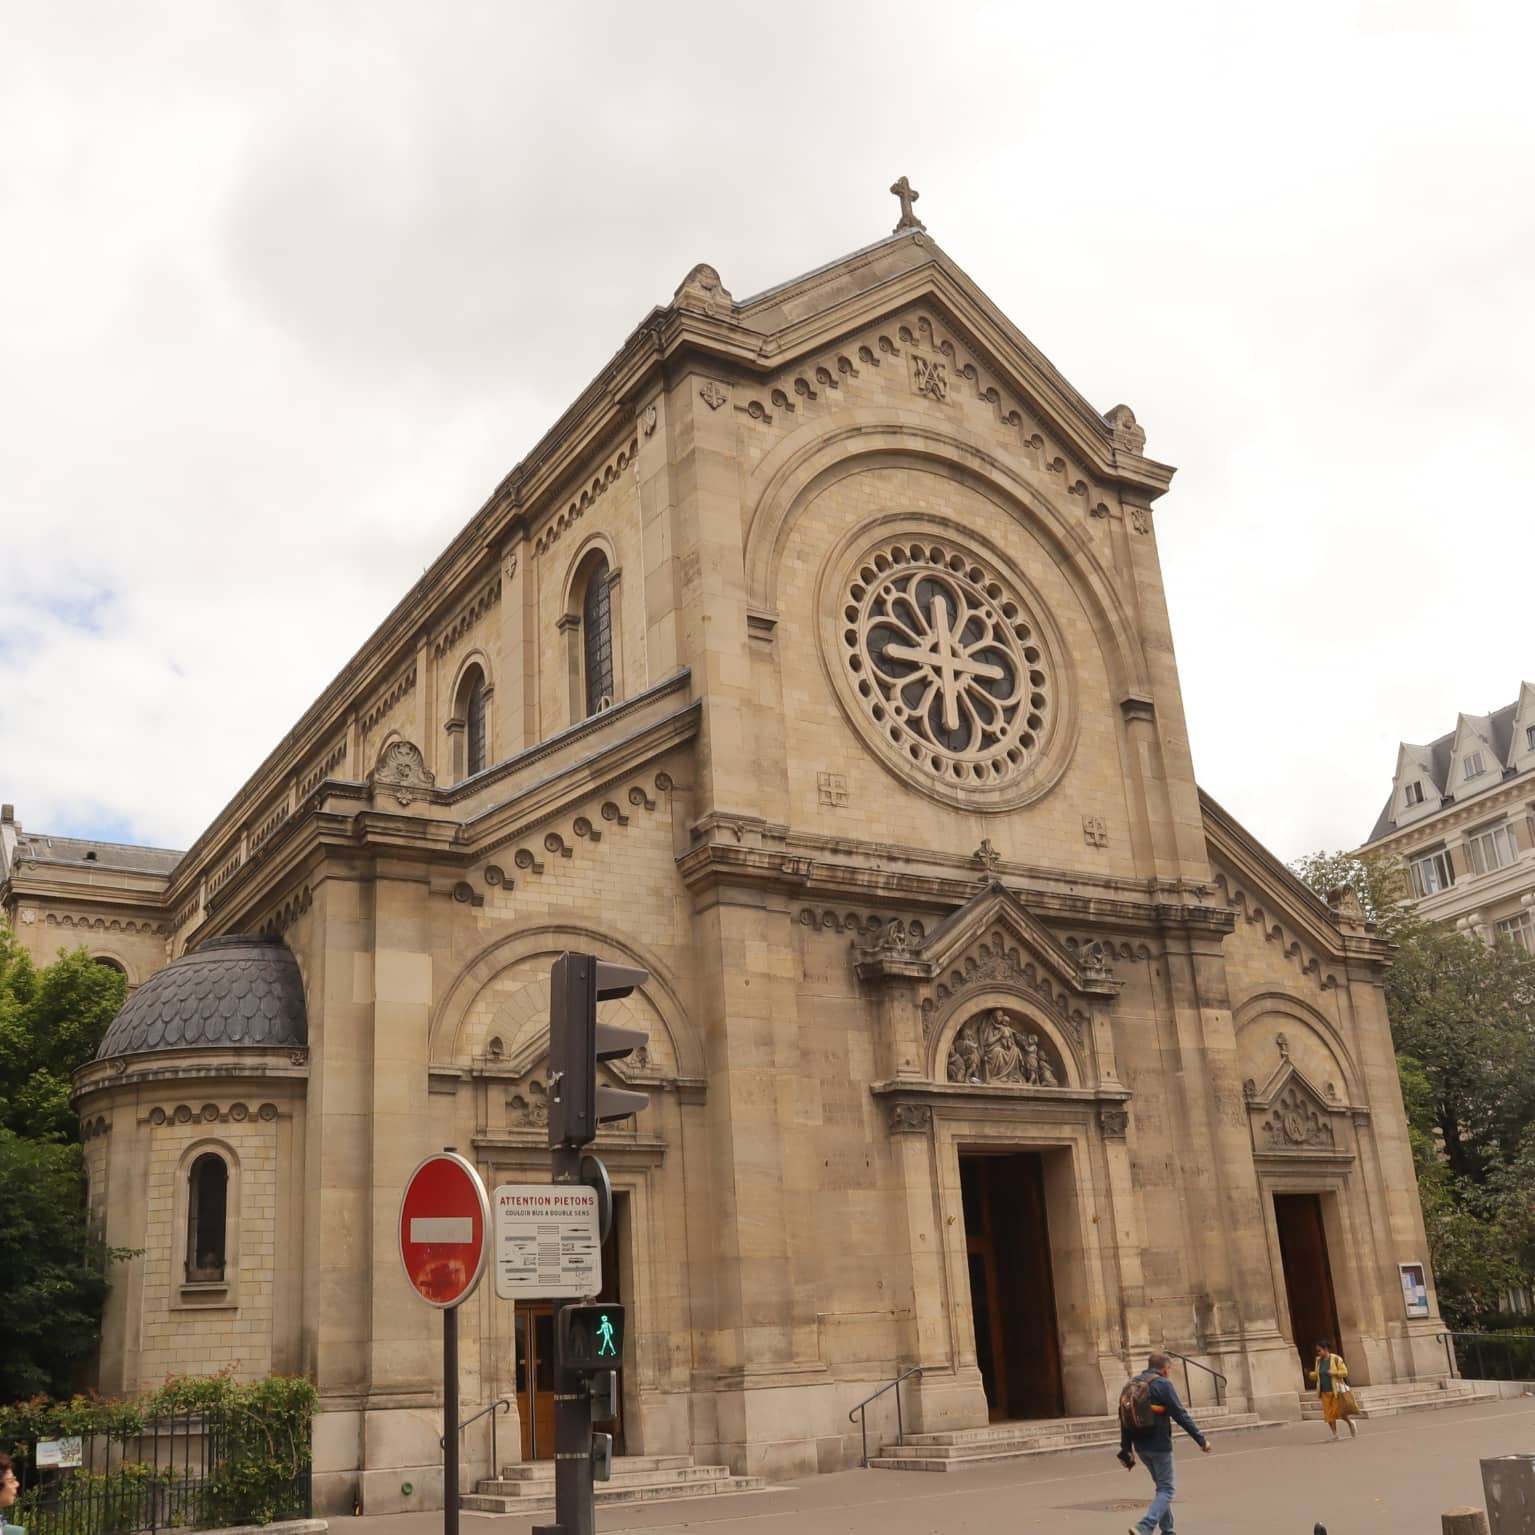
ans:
x=1307 y=1272
x=1012 y=1291
x=533 y=1325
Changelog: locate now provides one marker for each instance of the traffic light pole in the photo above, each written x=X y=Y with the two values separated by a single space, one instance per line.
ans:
x=574 y=1501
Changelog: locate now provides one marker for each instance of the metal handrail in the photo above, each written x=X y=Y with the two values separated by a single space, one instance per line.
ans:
x=495 y=1460
x=863 y=1417
x=1220 y=1380
x=1448 y=1339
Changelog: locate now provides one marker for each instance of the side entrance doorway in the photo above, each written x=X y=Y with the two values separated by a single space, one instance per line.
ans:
x=533 y=1326
x=1012 y=1290
x=1307 y=1273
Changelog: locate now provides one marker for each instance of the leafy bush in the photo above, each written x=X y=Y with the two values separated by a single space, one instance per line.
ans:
x=253 y=1467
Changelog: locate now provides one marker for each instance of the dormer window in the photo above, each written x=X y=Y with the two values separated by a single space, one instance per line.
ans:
x=1473 y=767
x=1529 y=738
x=1413 y=794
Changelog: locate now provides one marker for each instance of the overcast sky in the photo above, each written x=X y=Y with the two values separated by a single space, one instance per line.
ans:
x=288 y=287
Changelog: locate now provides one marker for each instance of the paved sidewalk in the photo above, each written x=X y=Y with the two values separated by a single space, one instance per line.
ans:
x=1398 y=1476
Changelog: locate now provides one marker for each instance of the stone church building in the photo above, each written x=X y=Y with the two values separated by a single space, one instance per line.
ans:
x=817 y=661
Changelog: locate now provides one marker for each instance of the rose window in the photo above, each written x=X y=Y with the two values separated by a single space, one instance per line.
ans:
x=946 y=665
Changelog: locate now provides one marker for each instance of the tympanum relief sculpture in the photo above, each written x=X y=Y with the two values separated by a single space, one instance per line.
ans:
x=994 y=1048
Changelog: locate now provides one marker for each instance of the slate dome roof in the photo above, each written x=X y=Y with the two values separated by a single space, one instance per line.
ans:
x=242 y=991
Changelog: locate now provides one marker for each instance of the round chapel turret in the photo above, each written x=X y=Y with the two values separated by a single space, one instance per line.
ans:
x=241 y=991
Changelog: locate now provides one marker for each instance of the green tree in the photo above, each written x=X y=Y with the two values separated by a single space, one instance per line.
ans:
x=54 y=1275
x=52 y=1268
x=51 y=1021
x=1463 y=1024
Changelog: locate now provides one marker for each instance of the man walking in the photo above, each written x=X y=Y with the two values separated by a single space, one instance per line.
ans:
x=1148 y=1408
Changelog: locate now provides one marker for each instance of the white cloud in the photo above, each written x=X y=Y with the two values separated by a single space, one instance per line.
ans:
x=286 y=290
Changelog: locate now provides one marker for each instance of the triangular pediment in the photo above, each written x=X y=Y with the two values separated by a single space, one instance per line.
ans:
x=995 y=920
x=1290 y=1115
x=904 y=305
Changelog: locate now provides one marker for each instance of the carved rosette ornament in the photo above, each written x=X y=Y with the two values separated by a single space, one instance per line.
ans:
x=942 y=669
x=997 y=1048
x=402 y=770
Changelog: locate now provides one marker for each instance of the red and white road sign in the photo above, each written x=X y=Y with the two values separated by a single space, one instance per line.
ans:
x=444 y=1230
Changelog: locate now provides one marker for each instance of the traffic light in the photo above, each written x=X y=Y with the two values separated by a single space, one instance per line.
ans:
x=589 y=1338
x=578 y=1103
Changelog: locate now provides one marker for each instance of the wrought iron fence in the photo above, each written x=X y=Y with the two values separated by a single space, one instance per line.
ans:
x=1491 y=1355
x=193 y=1472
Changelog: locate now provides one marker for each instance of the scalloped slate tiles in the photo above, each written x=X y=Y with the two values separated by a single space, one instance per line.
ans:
x=242 y=991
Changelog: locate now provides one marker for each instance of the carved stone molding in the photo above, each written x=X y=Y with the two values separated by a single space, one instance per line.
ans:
x=910 y=1118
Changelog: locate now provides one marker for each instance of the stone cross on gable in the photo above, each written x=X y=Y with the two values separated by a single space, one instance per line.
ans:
x=908 y=195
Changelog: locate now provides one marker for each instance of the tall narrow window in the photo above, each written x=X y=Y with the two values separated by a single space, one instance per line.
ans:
x=597 y=633
x=474 y=727
x=207 y=1206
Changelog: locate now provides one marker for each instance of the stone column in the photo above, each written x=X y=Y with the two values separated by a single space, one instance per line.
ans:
x=1229 y=1261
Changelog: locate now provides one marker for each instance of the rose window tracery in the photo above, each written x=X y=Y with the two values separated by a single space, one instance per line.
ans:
x=945 y=664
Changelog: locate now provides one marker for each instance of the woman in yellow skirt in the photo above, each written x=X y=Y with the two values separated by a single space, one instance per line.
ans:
x=1331 y=1378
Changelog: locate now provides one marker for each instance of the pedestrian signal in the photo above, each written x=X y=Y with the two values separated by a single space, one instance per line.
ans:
x=590 y=1337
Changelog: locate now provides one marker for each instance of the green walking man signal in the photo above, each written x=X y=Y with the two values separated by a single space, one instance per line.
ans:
x=589 y=1338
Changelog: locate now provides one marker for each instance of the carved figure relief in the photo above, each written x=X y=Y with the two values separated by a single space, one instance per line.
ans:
x=994 y=1048
x=531 y=1110
x=946 y=669
x=910 y=1119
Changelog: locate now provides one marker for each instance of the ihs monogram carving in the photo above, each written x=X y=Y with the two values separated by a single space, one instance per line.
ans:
x=712 y=394
x=992 y=1049
x=929 y=377
x=1095 y=831
x=1140 y=519
x=648 y=420
x=1296 y=1122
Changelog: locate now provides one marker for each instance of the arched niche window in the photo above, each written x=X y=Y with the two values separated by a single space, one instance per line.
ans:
x=207 y=1218
x=597 y=637
x=474 y=726
x=469 y=728
x=108 y=963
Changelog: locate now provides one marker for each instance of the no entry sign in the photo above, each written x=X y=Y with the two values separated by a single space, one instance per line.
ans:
x=444 y=1225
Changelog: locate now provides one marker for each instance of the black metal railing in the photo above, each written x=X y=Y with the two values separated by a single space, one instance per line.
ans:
x=1490 y=1355
x=1220 y=1380
x=900 y=1426
x=186 y=1472
x=474 y=1417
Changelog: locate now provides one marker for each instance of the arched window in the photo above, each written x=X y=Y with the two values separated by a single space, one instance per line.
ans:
x=207 y=1207
x=597 y=636
x=474 y=726
x=108 y=963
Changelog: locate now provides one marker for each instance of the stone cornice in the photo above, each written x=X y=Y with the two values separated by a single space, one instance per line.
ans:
x=185 y=1067
x=362 y=822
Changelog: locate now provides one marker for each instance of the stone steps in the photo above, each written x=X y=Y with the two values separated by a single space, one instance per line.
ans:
x=528 y=1487
x=1409 y=1396
x=957 y=1449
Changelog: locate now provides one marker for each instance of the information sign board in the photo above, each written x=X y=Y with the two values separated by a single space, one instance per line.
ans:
x=547 y=1241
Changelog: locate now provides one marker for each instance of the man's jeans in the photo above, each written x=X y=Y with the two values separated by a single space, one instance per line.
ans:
x=1160 y=1464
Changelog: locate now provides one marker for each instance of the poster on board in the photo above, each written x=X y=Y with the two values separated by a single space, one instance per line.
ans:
x=1414 y=1289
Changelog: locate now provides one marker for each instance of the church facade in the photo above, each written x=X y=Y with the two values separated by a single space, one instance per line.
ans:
x=817 y=661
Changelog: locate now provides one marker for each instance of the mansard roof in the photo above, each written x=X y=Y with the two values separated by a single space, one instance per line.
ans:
x=1496 y=728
